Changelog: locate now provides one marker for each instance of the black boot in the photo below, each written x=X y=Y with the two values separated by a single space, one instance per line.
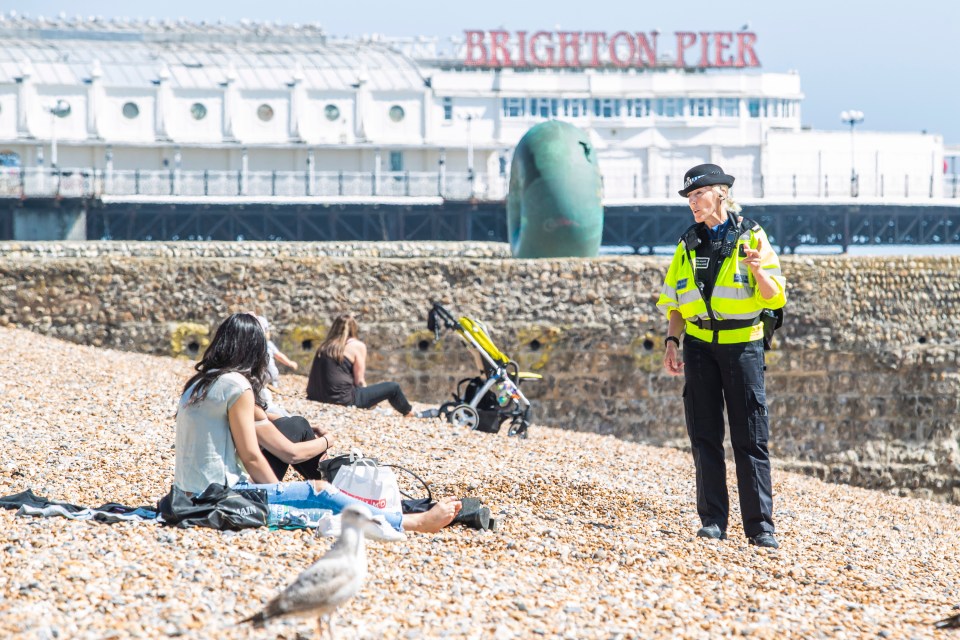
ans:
x=473 y=514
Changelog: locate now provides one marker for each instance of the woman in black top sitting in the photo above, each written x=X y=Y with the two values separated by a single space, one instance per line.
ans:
x=337 y=373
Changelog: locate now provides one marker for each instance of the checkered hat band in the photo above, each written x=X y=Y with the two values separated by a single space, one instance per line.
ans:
x=692 y=179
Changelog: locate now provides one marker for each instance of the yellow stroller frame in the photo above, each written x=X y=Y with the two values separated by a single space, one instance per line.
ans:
x=485 y=402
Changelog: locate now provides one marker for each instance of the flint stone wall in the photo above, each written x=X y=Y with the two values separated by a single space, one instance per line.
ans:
x=863 y=384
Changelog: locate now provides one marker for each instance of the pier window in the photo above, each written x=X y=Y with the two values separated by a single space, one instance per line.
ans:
x=396 y=161
x=753 y=107
x=265 y=112
x=574 y=107
x=606 y=108
x=729 y=107
x=130 y=110
x=514 y=107
x=198 y=111
x=448 y=109
x=543 y=107
x=396 y=113
x=331 y=111
x=61 y=109
x=700 y=107
x=638 y=107
x=787 y=108
x=668 y=107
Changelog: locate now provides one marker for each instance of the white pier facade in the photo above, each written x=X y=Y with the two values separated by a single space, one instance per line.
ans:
x=125 y=109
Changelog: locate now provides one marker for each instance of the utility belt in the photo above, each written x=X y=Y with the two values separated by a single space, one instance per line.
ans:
x=723 y=325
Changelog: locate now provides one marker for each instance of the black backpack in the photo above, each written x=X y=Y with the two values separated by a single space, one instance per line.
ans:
x=217 y=507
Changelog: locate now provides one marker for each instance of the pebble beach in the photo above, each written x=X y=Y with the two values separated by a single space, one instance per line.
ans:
x=595 y=536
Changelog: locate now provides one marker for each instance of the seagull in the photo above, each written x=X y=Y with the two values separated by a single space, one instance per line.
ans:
x=330 y=581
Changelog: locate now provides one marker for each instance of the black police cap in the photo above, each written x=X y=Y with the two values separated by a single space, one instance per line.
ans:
x=704 y=175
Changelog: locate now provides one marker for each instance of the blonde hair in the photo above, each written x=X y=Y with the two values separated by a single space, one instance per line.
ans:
x=723 y=191
x=343 y=328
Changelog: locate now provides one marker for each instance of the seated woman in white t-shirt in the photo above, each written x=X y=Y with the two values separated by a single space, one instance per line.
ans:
x=219 y=438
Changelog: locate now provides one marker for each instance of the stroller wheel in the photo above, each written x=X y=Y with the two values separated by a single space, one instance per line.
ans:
x=464 y=415
x=519 y=428
x=446 y=409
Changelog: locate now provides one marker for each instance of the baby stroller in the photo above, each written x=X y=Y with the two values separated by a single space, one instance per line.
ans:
x=485 y=402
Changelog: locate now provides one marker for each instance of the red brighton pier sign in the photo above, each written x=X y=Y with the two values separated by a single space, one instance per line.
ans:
x=598 y=49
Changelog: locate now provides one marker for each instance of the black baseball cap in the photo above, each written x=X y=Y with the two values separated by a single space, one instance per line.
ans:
x=704 y=175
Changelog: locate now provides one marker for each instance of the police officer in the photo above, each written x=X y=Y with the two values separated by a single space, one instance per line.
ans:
x=723 y=275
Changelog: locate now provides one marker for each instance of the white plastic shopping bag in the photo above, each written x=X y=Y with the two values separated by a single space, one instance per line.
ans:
x=365 y=480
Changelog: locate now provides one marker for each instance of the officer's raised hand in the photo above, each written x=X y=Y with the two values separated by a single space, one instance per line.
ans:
x=752 y=258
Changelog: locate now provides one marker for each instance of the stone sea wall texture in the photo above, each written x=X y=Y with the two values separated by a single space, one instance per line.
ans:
x=863 y=385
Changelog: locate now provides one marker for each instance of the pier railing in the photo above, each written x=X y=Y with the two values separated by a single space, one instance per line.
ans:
x=42 y=182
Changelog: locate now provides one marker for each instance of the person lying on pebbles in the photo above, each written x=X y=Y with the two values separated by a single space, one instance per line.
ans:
x=217 y=437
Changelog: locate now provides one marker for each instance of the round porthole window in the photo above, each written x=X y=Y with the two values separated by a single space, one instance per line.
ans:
x=198 y=111
x=131 y=110
x=61 y=109
x=265 y=112
x=396 y=113
x=331 y=112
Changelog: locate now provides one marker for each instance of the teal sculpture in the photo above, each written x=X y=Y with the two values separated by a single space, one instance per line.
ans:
x=553 y=205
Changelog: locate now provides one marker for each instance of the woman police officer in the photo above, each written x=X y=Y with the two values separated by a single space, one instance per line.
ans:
x=723 y=275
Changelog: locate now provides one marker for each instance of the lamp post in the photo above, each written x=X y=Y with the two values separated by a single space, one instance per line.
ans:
x=852 y=117
x=107 y=186
x=59 y=109
x=470 y=176
x=177 y=176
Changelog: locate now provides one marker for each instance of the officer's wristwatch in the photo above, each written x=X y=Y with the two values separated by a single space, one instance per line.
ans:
x=673 y=339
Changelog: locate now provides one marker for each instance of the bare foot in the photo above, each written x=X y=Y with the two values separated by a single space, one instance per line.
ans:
x=432 y=521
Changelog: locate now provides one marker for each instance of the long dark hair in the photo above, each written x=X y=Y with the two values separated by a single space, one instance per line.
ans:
x=344 y=327
x=238 y=345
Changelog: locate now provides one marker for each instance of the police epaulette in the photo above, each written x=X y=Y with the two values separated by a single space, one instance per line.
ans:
x=748 y=224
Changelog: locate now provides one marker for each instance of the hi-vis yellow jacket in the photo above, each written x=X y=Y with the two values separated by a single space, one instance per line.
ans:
x=735 y=294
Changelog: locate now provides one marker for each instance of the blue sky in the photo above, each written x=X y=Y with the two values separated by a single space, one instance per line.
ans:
x=896 y=63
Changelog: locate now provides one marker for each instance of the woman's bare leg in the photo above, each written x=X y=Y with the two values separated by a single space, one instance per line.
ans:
x=432 y=521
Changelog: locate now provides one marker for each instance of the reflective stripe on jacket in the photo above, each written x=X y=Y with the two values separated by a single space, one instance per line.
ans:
x=735 y=294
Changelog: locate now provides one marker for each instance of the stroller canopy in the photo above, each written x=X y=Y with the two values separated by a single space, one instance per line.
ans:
x=479 y=333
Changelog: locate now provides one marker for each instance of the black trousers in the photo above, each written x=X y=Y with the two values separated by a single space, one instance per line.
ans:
x=731 y=374
x=366 y=397
x=295 y=429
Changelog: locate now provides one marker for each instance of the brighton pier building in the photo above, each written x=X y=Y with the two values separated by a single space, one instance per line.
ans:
x=154 y=111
